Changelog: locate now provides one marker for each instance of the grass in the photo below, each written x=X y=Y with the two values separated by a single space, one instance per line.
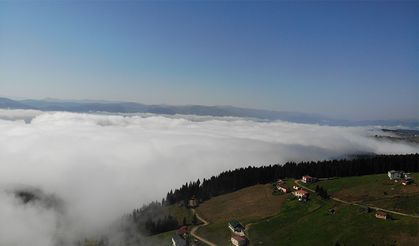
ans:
x=375 y=190
x=181 y=212
x=278 y=219
x=311 y=224
x=164 y=238
x=246 y=205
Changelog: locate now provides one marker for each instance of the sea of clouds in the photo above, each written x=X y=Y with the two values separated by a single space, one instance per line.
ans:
x=102 y=166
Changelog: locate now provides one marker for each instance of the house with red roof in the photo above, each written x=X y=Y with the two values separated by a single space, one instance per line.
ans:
x=381 y=215
x=308 y=179
x=181 y=237
x=238 y=240
x=301 y=194
x=406 y=181
x=282 y=187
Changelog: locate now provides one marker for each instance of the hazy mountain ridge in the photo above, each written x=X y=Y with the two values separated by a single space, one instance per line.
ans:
x=83 y=106
x=9 y=103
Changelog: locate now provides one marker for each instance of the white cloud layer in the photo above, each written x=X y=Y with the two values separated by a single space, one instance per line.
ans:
x=103 y=166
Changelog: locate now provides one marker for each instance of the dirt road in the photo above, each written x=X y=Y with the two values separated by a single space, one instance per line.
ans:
x=297 y=182
x=195 y=228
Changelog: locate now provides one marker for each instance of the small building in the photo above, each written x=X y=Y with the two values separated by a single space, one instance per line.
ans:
x=181 y=238
x=296 y=187
x=236 y=227
x=395 y=175
x=282 y=187
x=301 y=194
x=280 y=181
x=184 y=231
x=238 y=240
x=177 y=240
x=193 y=202
x=381 y=215
x=308 y=179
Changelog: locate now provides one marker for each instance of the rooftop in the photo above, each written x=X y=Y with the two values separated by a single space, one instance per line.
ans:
x=239 y=238
x=183 y=230
x=180 y=241
x=301 y=191
x=381 y=213
x=235 y=224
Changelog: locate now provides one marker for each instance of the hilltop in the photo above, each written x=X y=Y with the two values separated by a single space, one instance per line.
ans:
x=272 y=218
x=339 y=206
x=353 y=189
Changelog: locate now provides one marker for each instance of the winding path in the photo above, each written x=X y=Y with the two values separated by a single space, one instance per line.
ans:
x=297 y=182
x=195 y=228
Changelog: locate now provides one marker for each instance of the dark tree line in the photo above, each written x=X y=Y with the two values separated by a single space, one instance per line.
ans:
x=164 y=224
x=230 y=181
x=153 y=219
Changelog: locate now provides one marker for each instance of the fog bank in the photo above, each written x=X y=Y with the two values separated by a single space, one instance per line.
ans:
x=102 y=166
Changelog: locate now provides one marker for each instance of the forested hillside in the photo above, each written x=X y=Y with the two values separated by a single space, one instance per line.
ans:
x=230 y=181
x=147 y=222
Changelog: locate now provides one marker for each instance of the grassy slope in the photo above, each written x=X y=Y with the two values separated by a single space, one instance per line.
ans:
x=311 y=224
x=166 y=237
x=247 y=205
x=281 y=220
x=180 y=213
x=375 y=190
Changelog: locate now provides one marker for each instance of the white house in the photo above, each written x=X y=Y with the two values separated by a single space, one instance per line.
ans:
x=392 y=174
x=301 y=194
x=283 y=188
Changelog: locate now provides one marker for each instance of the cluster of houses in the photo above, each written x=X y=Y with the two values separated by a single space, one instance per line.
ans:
x=238 y=237
x=303 y=195
x=298 y=192
x=401 y=176
x=398 y=176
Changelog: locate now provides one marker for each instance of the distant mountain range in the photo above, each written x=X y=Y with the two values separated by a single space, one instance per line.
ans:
x=220 y=111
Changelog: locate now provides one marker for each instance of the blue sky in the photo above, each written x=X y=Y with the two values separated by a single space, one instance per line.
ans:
x=353 y=60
